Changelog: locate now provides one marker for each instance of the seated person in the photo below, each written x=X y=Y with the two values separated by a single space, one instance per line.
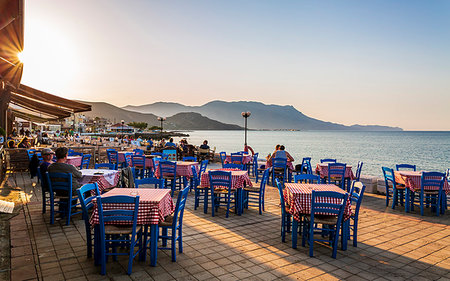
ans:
x=170 y=143
x=281 y=153
x=24 y=143
x=60 y=166
x=204 y=150
x=47 y=155
x=204 y=145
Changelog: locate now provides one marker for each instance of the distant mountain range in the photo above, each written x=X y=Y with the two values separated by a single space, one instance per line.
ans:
x=263 y=116
x=179 y=121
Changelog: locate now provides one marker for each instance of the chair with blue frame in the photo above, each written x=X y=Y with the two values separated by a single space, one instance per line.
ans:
x=254 y=196
x=221 y=192
x=431 y=192
x=403 y=167
x=223 y=157
x=168 y=172
x=106 y=166
x=279 y=169
x=358 y=170
x=30 y=153
x=86 y=194
x=286 y=217
x=123 y=231
x=199 y=191
x=331 y=223
x=149 y=182
x=156 y=153
x=237 y=158
x=174 y=223
x=336 y=174
x=85 y=161
x=113 y=157
x=138 y=163
x=60 y=189
x=356 y=195
x=190 y=158
x=306 y=178
x=328 y=160
x=252 y=167
x=138 y=151
x=44 y=190
x=127 y=157
x=70 y=152
x=306 y=166
x=234 y=166
x=397 y=191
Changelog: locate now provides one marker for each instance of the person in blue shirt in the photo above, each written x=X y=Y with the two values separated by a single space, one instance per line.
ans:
x=170 y=143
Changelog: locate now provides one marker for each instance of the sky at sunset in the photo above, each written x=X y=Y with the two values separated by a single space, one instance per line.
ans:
x=366 y=62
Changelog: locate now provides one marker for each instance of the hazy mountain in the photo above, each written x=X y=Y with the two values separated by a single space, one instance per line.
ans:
x=180 y=121
x=264 y=116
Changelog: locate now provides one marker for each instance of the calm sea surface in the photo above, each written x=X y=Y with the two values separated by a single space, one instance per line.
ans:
x=428 y=150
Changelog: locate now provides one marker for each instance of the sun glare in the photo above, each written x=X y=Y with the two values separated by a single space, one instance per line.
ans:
x=21 y=57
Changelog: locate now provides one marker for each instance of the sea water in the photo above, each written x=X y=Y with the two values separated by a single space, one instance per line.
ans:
x=428 y=150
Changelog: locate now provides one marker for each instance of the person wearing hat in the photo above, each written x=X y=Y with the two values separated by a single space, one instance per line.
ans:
x=47 y=156
x=60 y=166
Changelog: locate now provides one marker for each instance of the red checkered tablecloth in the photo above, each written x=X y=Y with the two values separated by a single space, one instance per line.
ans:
x=121 y=157
x=299 y=195
x=74 y=160
x=183 y=169
x=413 y=180
x=322 y=170
x=108 y=178
x=239 y=178
x=154 y=204
x=247 y=158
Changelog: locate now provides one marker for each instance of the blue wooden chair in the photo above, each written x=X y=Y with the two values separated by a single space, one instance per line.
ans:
x=190 y=158
x=113 y=235
x=221 y=192
x=74 y=153
x=400 y=167
x=237 y=158
x=307 y=178
x=60 y=189
x=174 y=223
x=328 y=160
x=199 y=191
x=331 y=223
x=107 y=166
x=44 y=190
x=306 y=166
x=85 y=161
x=394 y=189
x=113 y=157
x=254 y=196
x=127 y=162
x=234 y=166
x=356 y=195
x=86 y=194
x=138 y=163
x=145 y=182
x=336 y=174
x=138 y=151
x=286 y=218
x=223 y=157
x=358 y=170
x=431 y=192
x=254 y=165
x=30 y=153
x=279 y=169
x=168 y=172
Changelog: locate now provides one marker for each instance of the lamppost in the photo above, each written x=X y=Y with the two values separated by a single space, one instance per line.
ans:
x=246 y=115
x=161 y=119
x=122 y=126
x=94 y=126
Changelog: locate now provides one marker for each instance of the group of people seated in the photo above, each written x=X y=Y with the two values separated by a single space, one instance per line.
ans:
x=279 y=152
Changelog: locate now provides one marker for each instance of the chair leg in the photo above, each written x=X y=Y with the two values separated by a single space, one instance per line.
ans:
x=294 y=233
x=311 y=240
x=283 y=230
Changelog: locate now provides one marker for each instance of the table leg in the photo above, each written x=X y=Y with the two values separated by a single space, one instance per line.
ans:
x=294 y=233
x=153 y=244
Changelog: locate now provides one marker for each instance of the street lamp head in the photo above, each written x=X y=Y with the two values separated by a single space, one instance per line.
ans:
x=246 y=114
x=122 y=122
x=161 y=118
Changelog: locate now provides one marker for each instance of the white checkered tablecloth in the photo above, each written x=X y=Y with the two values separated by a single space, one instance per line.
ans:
x=239 y=178
x=104 y=178
x=413 y=181
x=299 y=196
x=322 y=170
x=74 y=160
x=183 y=169
x=247 y=158
x=154 y=204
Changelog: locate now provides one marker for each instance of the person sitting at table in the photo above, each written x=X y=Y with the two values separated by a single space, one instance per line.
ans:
x=282 y=153
x=170 y=143
x=47 y=156
x=204 y=145
x=24 y=143
x=60 y=166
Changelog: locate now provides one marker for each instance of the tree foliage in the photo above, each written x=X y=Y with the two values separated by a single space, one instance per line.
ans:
x=138 y=125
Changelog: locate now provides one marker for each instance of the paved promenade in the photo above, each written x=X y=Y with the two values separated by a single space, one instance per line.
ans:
x=392 y=246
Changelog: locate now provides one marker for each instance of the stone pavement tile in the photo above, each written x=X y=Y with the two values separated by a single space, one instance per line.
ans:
x=23 y=273
x=56 y=277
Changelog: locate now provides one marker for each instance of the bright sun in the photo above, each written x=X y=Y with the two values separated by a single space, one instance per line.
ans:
x=21 y=57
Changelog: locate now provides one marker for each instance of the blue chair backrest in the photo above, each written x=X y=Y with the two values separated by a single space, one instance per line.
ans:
x=219 y=179
x=399 y=167
x=70 y=152
x=113 y=156
x=265 y=178
x=223 y=156
x=356 y=194
x=234 y=166
x=389 y=177
x=118 y=213
x=307 y=178
x=328 y=160
x=85 y=161
x=280 y=193
x=179 y=207
x=167 y=168
x=306 y=165
x=279 y=162
x=358 y=170
x=321 y=203
x=336 y=170
x=86 y=194
x=195 y=176
x=157 y=183
x=30 y=153
x=60 y=181
x=138 y=151
x=236 y=158
x=203 y=167
x=432 y=181
x=138 y=161
x=190 y=158
x=105 y=166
